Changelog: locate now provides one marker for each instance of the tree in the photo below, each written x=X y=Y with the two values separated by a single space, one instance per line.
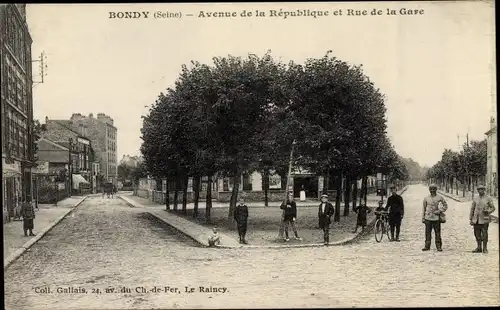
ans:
x=38 y=130
x=124 y=172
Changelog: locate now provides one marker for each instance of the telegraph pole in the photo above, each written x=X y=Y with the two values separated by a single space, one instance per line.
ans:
x=42 y=60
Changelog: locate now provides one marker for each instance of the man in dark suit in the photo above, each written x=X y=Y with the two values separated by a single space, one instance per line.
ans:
x=396 y=208
x=325 y=212
x=241 y=217
x=290 y=216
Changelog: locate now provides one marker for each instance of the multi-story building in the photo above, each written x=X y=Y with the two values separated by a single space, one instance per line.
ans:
x=103 y=134
x=61 y=146
x=16 y=106
x=492 y=164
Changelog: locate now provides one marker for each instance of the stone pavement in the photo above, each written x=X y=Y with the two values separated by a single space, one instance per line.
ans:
x=201 y=233
x=46 y=217
x=108 y=245
x=460 y=198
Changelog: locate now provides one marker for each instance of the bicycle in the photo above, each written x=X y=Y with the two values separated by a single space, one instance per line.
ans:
x=382 y=226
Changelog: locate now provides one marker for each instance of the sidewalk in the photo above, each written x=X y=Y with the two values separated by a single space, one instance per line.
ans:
x=200 y=233
x=460 y=198
x=46 y=217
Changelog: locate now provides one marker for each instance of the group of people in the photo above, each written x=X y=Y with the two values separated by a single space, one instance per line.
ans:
x=433 y=215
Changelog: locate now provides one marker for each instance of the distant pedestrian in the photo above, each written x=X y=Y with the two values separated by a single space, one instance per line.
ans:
x=17 y=209
x=241 y=218
x=28 y=213
x=290 y=217
x=433 y=211
x=396 y=208
x=480 y=218
x=214 y=239
x=325 y=213
x=362 y=211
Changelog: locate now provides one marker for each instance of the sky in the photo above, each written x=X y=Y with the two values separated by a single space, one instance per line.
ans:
x=437 y=69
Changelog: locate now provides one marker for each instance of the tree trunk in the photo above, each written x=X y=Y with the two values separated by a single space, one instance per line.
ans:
x=365 y=189
x=464 y=186
x=355 y=194
x=185 y=182
x=208 y=205
x=456 y=186
x=338 y=189
x=326 y=183
x=347 y=195
x=234 y=198
x=176 y=193
x=167 y=197
x=197 y=181
x=265 y=183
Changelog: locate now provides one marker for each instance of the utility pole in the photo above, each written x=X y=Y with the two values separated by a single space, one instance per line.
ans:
x=281 y=231
x=42 y=67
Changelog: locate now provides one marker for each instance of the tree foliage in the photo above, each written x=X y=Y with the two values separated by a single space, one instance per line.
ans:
x=238 y=115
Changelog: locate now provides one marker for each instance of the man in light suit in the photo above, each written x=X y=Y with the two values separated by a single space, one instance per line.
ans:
x=325 y=212
x=480 y=218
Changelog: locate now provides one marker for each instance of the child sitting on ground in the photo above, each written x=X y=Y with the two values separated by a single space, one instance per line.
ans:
x=362 y=211
x=214 y=239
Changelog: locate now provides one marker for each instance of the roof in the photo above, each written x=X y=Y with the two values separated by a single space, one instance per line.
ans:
x=492 y=130
x=52 y=145
x=66 y=124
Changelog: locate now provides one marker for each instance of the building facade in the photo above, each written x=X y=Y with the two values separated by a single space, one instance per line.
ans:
x=492 y=161
x=62 y=146
x=16 y=106
x=103 y=135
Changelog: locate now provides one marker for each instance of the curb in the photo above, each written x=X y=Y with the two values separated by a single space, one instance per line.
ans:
x=14 y=256
x=345 y=241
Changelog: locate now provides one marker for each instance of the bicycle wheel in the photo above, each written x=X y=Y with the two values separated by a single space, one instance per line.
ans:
x=379 y=230
x=387 y=231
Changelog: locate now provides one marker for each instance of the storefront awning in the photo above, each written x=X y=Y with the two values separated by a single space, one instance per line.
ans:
x=77 y=180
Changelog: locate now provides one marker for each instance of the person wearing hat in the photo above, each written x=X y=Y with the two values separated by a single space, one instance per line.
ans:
x=325 y=212
x=396 y=207
x=480 y=218
x=433 y=206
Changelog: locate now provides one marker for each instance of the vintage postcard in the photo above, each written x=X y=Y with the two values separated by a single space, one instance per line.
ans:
x=249 y=155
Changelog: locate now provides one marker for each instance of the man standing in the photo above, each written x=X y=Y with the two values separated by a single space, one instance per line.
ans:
x=433 y=207
x=241 y=218
x=325 y=212
x=28 y=218
x=396 y=208
x=290 y=208
x=480 y=218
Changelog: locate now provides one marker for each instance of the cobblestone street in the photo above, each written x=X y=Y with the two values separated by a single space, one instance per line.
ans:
x=108 y=244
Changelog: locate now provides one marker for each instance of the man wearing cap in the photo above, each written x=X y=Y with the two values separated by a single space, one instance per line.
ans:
x=396 y=208
x=433 y=206
x=325 y=212
x=480 y=218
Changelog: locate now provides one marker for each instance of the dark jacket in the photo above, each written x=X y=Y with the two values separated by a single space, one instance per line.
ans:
x=290 y=209
x=325 y=217
x=395 y=205
x=27 y=211
x=241 y=213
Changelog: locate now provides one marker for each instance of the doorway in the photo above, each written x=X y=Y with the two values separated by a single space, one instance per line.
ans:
x=308 y=183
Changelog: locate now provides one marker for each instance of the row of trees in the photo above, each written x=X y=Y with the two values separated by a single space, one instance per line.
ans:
x=466 y=167
x=242 y=115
